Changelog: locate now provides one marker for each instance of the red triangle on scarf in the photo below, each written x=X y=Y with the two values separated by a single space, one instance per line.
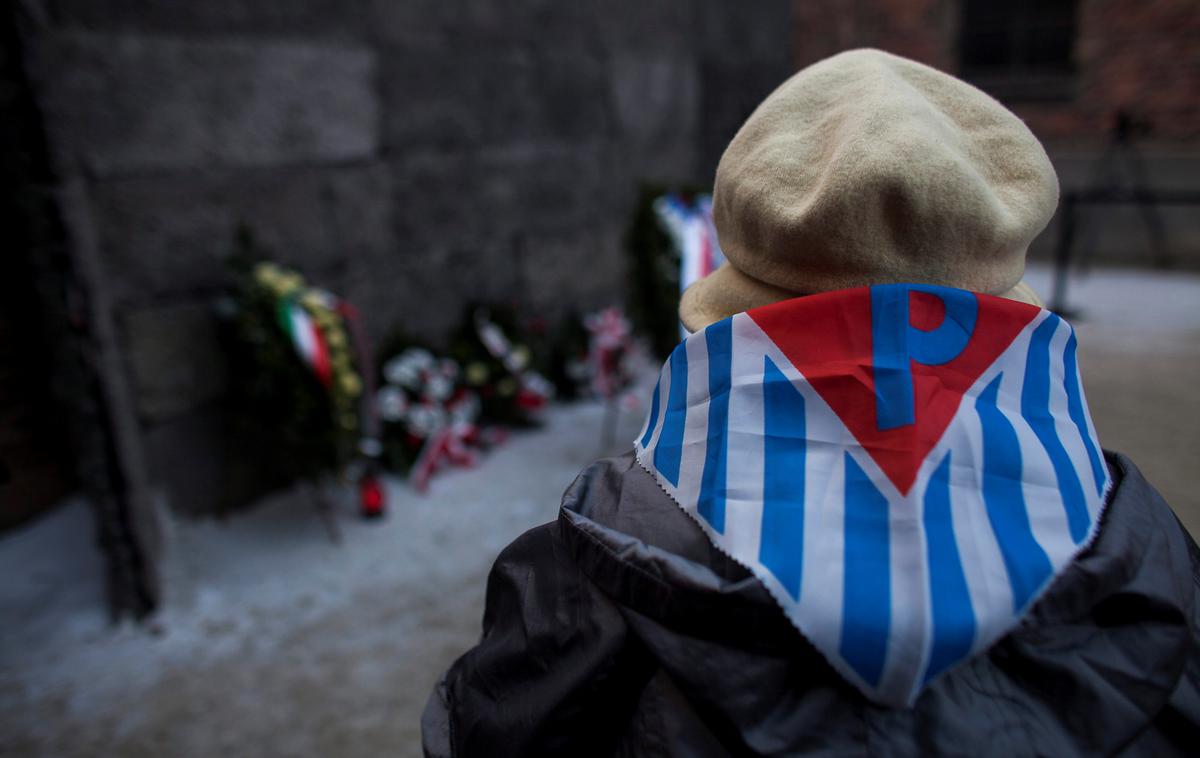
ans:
x=828 y=338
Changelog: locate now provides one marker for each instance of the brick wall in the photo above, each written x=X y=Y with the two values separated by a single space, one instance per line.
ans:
x=919 y=29
x=409 y=155
x=1140 y=55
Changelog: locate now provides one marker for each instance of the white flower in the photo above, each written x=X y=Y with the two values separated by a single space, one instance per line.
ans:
x=392 y=403
x=493 y=339
x=439 y=387
x=464 y=410
x=531 y=381
x=419 y=356
x=425 y=419
x=609 y=328
x=394 y=370
x=405 y=369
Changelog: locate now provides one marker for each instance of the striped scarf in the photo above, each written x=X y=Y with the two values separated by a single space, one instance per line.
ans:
x=906 y=468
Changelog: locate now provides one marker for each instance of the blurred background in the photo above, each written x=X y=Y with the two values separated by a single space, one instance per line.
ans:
x=307 y=308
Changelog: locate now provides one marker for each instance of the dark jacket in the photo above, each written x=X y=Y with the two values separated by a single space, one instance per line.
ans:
x=620 y=630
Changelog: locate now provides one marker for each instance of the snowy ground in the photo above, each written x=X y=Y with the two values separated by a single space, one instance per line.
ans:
x=276 y=642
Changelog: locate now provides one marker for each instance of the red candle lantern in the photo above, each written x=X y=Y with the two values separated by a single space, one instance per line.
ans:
x=372 y=500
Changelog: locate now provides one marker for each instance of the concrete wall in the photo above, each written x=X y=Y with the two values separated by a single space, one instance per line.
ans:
x=409 y=155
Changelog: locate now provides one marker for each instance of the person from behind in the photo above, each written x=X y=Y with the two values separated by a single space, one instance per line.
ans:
x=868 y=512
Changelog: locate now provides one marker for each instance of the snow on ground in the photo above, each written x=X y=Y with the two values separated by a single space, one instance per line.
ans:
x=1130 y=309
x=273 y=640
x=276 y=642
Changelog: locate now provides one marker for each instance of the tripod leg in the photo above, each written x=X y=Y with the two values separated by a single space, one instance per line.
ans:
x=1105 y=178
x=1062 y=254
x=1151 y=216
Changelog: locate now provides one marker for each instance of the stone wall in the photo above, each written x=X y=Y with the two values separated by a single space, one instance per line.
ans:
x=409 y=155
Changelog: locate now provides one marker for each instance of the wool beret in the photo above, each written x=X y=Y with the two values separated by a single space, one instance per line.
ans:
x=868 y=168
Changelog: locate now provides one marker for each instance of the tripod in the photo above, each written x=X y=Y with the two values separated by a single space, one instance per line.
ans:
x=1106 y=187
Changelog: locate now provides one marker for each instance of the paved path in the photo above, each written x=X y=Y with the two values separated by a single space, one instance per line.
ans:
x=274 y=642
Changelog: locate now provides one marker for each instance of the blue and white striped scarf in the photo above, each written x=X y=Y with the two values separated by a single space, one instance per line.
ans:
x=905 y=467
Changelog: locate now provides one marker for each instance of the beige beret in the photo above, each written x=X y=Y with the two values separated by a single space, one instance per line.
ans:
x=868 y=168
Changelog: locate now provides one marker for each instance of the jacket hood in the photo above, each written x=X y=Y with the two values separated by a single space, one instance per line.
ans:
x=1097 y=656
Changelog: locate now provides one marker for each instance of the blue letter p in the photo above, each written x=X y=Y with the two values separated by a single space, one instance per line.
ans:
x=895 y=342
